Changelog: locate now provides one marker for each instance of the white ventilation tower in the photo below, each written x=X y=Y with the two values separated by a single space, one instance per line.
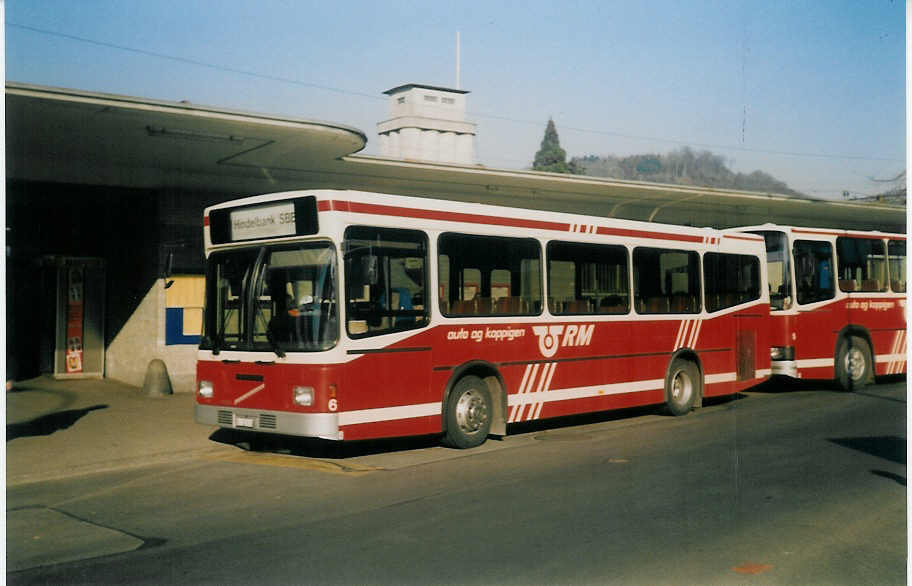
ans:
x=427 y=123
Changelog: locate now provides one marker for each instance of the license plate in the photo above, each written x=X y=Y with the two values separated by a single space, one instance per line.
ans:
x=245 y=421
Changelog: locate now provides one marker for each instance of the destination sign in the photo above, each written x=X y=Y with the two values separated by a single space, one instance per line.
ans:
x=267 y=221
x=276 y=219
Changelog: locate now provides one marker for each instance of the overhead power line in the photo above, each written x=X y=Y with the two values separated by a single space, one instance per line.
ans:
x=179 y=59
x=697 y=144
x=298 y=82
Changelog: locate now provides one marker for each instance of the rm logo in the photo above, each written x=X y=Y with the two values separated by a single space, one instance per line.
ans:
x=550 y=338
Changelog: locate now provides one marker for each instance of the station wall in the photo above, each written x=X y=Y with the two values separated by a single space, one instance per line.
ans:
x=133 y=232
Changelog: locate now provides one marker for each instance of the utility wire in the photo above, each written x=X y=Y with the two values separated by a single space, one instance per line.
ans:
x=192 y=61
x=697 y=144
x=298 y=82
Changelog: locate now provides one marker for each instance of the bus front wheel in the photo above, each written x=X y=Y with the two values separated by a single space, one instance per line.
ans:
x=468 y=413
x=854 y=367
x=682 y=387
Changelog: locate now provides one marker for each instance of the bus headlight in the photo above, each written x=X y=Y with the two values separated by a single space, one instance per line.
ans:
x=303 y=396
x=782 y=353
x=205 y=389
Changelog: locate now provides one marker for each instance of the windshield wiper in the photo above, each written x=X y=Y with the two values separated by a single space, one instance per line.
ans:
x=213 y=344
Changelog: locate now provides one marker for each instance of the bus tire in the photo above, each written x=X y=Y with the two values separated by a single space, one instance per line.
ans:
x=682 y=387
x=854 y=366
x=468 y=413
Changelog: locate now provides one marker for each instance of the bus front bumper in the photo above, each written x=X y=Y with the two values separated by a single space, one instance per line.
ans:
x=784 y=368
x=317 y=425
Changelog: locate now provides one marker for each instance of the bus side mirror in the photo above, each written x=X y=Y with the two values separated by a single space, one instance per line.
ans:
x=169 y=265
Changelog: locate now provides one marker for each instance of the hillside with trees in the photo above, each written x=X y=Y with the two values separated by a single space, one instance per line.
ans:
x=683 y=166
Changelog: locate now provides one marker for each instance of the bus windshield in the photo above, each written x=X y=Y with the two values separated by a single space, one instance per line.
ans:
x=280 y=298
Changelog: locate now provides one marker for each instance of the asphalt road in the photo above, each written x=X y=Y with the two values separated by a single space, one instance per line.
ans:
x=783 y=486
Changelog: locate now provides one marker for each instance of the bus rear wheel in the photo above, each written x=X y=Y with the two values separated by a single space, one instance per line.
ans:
x=854 y=367
x=468 y=413
x=682 y=387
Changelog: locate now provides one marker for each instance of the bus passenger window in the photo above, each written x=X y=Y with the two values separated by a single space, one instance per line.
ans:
x=666 y=281
x=585 y=279
x=730 y=279
x=813 y=271
x=386 y=280
x=862 y=264
x=488 y=275
x=896 y=250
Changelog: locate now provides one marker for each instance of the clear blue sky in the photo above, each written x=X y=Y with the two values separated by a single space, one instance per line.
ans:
x=811 y=92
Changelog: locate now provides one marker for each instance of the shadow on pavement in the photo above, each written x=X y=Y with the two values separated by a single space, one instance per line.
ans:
x=784 y=384
x=888 y=447
x=48 y=424
x=318 y=448
x=889 y=475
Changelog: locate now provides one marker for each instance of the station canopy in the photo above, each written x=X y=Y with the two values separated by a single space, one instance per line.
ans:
x=76 y=137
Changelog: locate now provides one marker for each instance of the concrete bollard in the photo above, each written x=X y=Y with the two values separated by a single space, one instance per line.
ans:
x=157 y=383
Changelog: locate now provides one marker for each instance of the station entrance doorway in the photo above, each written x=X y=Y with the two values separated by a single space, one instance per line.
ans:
x=72 y=314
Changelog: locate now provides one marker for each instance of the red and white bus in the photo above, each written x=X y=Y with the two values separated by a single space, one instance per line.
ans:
x=352 y=315
x=838 y=303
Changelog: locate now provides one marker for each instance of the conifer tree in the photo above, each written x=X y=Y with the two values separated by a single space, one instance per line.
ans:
x=551 y=157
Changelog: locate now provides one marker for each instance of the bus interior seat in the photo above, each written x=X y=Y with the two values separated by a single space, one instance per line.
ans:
x=657 y=305
x=577 y=306
x=612 y=304
x=463 y=307
x=509 y=305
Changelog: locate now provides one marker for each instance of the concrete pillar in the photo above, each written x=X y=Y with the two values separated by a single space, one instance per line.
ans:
x=465 y=149
x=448 y=146
x=409 y=143
x=395 y=145
x=430 y=145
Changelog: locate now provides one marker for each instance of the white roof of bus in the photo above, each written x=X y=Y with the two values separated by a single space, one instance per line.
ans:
x=821 y=231
x=465 y=207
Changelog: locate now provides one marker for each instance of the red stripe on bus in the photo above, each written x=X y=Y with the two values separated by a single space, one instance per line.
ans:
x=643 y=234
x=385 y=210
x=205 y=220
x=748 y=238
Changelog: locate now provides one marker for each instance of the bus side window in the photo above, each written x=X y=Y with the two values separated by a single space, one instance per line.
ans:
x=896 y=250
x=386 y=280
x=730 y=279
x=813 y=271
x=862 y=264
x=666 y=281
x=585 y=279
x=489 y=275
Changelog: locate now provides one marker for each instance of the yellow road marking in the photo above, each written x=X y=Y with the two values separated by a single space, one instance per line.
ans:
x=296 y=462
x=752 y=568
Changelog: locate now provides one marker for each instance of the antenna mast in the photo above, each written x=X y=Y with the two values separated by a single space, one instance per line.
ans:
x=457 y=60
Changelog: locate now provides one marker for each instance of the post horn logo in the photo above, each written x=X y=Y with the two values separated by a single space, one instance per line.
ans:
x=548 y=339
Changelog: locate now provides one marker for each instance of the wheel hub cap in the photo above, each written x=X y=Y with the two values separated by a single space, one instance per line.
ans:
x=471 y=412
x=855 y=363
x=680 y=390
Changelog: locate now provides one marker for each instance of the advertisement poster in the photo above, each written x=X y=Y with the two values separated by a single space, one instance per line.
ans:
x=74 y=320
